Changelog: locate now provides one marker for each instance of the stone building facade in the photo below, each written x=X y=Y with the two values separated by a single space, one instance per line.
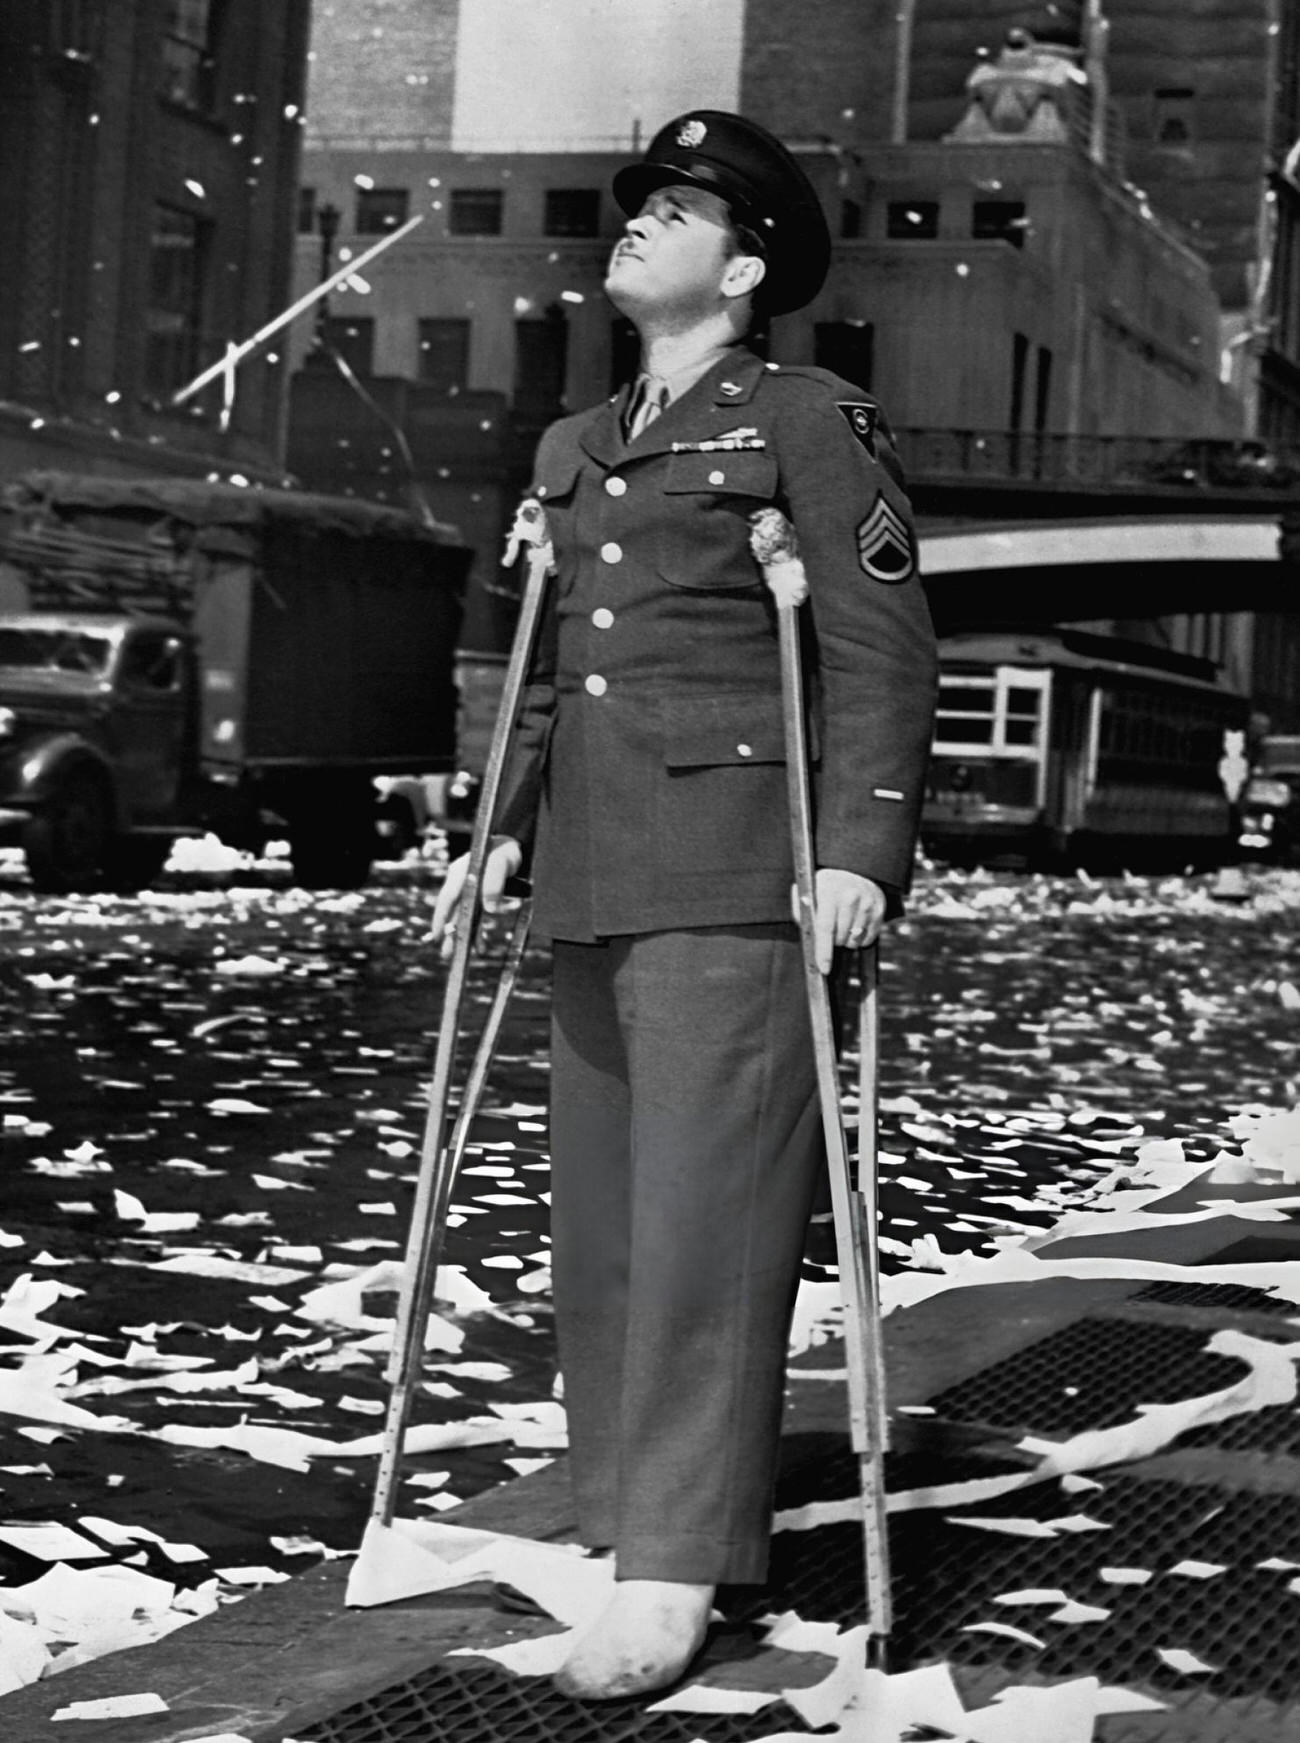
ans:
x=982 y=278
x=150 y=150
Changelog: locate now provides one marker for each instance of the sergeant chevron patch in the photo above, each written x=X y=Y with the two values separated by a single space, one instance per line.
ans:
x=885 y=543
x=862 y=418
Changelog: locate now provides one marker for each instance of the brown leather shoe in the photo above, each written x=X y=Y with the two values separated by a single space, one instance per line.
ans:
x=644 y=1639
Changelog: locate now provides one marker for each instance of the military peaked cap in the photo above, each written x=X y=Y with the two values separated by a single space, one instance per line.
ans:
x=761 y=182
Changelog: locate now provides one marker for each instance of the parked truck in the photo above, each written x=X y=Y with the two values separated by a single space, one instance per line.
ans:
x=181 y=658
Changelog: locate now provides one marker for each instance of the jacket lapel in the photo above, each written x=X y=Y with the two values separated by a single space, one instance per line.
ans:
x=730 y=382
x=602 y=435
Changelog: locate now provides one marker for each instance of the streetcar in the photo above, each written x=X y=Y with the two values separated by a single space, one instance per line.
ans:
x=1064 y=747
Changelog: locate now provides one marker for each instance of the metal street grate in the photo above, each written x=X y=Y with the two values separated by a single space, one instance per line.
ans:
x=1092 y=1374
x=946 y=1579
x=1233 y=1297
x=948 y=1576
x=480 y=1705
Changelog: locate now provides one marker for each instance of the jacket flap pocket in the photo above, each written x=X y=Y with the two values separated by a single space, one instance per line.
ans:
x=719 y=730
x=724 y=472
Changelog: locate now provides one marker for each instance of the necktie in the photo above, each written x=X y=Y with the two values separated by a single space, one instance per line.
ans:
x=649 y=398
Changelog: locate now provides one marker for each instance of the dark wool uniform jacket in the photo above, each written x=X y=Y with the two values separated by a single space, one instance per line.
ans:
x=646 y=779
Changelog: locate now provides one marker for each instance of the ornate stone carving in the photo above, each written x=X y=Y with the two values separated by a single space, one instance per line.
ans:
x=1026 y=93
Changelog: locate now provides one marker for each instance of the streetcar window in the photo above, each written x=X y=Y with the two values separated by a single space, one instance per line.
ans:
x=965 y=699
x=1171 y=738
x=1000 y=713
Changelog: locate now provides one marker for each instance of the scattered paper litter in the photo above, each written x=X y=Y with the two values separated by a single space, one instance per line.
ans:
x=823 y=1702
x=51 y=1542
x=535 y=1655
x=1063 y=1712
x=709 y=1698
x=886 y=1705
x=1186 y=1663
x=250 y=966
x=1073 y=1612
x=790 y=1632
x=1007 y=1526
x=113 y=1707
x=1006 y=1628
x=413 y=1556
x=232 y=1270
x=24 y=1653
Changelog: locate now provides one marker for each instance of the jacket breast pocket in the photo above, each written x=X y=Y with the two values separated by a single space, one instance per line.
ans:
x=703 y=532
x=723 y=794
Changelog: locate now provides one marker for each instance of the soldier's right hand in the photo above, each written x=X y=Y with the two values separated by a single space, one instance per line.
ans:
x=504 y=858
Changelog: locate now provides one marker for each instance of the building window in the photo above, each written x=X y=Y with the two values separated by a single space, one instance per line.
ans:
x=1042 y=388
x=541 y=359
x=444 y=354
x=475 y=211
x=572 y=212
x=845 y=348
x=381 y=209
x=189 y=52
x=351 y=337
x=1173 y=128
x=306 y=211
x=177 y=251
x=1019 y=369
x=912 y=220
x=850 y=220
x=74 y=27
x=999 y=221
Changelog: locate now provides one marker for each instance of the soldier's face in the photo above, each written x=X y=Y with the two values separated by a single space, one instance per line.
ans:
x=675 y=254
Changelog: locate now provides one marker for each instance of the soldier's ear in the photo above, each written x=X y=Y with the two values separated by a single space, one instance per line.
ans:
x=744 y=274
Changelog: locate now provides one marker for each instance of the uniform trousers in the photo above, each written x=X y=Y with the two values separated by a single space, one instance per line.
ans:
x=685 y=1146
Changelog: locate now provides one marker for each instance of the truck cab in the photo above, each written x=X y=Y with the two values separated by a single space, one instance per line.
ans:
x=94 y=712
x=181 y=657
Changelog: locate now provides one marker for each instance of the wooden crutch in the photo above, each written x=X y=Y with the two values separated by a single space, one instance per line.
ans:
x=440 y=1158
x=853 y=1205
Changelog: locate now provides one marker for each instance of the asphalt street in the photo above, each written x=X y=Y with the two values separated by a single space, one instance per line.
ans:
x=212 y=1099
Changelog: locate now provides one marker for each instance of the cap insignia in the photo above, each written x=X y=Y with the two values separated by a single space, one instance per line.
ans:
x=691 y=134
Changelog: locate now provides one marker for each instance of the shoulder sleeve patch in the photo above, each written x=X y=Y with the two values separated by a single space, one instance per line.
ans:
x=862 y=418
x=885 y=548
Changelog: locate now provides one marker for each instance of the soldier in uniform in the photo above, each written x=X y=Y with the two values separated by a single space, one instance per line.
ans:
x=646 y=797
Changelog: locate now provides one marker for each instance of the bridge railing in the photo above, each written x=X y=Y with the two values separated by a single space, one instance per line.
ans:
x=1138 y=463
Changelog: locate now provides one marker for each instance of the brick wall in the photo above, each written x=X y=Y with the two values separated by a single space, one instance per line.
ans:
x=806 y=62
x=382 y=68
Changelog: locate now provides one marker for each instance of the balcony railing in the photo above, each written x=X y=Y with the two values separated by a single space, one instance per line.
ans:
x=1136 y=463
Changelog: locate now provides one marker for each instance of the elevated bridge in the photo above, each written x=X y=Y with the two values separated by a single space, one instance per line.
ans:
x=1041 y=529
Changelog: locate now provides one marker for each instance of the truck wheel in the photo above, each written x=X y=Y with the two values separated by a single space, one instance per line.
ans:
x=332 y=835
x=134 y=861
x=66 y=843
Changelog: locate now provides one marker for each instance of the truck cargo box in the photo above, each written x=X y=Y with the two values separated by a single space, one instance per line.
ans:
x=326 y=627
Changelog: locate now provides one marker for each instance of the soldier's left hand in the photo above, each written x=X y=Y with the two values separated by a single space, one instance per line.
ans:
x=848 y=910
